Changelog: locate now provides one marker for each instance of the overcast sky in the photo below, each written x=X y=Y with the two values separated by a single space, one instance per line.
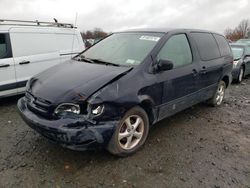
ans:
x=114 y=15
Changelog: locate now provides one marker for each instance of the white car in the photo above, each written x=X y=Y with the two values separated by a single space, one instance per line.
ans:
x=27 y=48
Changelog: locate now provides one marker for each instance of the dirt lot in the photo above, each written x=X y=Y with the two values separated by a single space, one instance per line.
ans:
x=200 y=147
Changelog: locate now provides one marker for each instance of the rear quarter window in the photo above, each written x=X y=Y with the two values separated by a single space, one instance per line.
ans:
x=207 y=46
x=223 y=45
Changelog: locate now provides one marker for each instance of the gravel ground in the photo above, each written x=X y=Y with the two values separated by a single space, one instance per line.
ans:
x=199 y=147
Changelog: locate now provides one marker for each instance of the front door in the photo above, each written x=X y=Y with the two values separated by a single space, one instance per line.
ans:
x=179 y=84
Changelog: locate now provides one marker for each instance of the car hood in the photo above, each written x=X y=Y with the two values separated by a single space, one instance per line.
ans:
x=73 y=80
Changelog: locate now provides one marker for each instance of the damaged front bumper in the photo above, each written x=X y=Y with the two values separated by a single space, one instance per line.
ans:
x=235 y=73
x=73 y=133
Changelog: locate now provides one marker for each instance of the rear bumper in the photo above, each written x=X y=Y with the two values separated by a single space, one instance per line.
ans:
x=73 y=133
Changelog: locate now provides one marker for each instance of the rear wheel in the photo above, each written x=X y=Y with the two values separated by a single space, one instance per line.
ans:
x=219 y=95
x=130 y=134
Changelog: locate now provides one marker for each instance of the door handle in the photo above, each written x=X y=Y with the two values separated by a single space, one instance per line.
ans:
x=24 y=62
x=4 y=65
x=203 y=70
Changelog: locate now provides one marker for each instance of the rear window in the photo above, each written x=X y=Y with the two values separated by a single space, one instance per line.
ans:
x=223 y=45
x=207 y=46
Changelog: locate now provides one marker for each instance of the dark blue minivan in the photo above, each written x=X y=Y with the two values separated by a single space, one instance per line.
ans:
x=110 y=94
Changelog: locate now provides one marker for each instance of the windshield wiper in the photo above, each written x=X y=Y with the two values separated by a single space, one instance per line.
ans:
x=82 y=58
x=100 y=61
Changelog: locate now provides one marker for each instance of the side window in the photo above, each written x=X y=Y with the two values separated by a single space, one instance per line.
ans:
x=3 y=46
x=223 y=45
x=177 y=50
x=207 y=46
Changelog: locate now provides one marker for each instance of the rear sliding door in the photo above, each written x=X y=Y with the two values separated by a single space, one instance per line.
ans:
x=211 y=63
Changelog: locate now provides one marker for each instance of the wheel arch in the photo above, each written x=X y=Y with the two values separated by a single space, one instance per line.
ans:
x=147 y=104
x=226 y=79
x=244 y=67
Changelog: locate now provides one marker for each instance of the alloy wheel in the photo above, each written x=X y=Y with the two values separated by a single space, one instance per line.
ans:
x=241 y=74
x=131 y=132
x=220 y=94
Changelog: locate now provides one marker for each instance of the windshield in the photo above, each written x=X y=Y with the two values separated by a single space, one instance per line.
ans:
x=237 y=52
x=125 y=49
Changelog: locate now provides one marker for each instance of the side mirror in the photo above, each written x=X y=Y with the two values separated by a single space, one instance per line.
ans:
x=164 y=65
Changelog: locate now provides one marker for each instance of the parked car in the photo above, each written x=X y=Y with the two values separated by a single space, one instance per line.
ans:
x=109 y=95
x=245 y=41
x=27 y=48
x=241 y=67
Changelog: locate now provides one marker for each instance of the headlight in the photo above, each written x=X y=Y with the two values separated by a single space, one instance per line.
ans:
x=97 y=110
x=67 y=108
x=235 y=64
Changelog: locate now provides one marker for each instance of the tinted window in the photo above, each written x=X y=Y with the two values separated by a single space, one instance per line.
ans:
x=207 y=46
x=177 y=50
x=223 y=45
x=3 y=46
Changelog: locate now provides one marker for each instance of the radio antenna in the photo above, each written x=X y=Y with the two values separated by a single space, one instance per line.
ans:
x=73 y=38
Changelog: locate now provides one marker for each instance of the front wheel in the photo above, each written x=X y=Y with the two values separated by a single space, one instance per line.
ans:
x=241 y=75
x=219 y=95
x=130 y=134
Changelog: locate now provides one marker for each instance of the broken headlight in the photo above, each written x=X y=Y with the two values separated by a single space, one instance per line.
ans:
x=96 y=110
x=235 y=64
x=67 y=108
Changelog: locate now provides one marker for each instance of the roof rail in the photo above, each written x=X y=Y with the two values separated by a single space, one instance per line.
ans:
x=35 y=23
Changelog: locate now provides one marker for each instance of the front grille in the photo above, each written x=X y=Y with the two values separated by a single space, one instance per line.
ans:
x=39 y=106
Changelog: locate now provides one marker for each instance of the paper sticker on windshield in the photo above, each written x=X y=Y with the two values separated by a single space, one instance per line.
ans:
x=132 y=62
x=151 y=38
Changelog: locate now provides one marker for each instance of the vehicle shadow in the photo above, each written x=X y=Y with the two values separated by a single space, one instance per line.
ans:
x=8 y=101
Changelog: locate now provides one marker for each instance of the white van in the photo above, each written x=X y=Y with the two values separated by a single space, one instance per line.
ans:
x=27 y=48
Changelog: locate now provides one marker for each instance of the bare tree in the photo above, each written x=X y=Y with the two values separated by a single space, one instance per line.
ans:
x=241 y=31
x=97 y=33
x=243 y=27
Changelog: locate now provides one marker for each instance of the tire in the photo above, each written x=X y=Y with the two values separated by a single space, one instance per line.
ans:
x=241 y=75
x=219 y=95
x=129 y=138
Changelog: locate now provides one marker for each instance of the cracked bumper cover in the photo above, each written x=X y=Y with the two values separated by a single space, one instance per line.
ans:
x=73 y=133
